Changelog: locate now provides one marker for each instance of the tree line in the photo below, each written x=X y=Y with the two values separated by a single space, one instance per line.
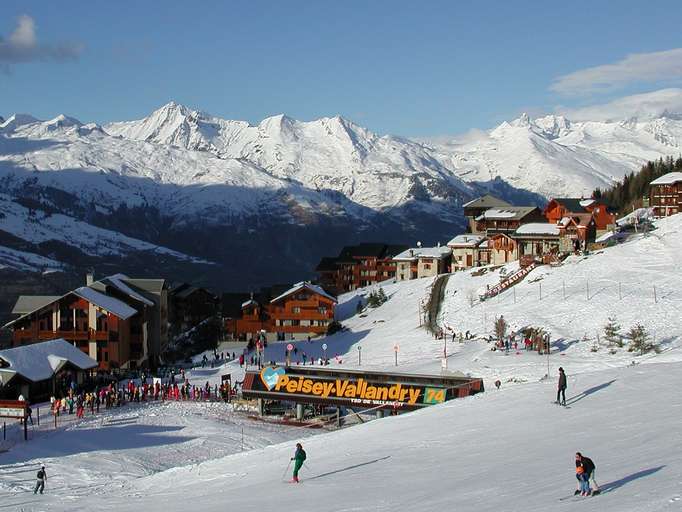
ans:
x=628 y=193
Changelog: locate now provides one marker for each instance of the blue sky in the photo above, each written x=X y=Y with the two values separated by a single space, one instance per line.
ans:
x=407 y=68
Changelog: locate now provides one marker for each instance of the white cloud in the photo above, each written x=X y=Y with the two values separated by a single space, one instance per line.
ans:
x=22 y=46
x=649 y=105
x=635 y=68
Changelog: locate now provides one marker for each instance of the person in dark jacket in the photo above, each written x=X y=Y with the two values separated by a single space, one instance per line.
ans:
x=298 y=458
x=40 y=480
x=561 y=389
x=589 y=468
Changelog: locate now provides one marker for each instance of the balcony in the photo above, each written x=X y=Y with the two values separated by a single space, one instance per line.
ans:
x=68 y=335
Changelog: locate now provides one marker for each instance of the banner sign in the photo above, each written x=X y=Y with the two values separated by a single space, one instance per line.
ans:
x=353 y=388
x=12 y=409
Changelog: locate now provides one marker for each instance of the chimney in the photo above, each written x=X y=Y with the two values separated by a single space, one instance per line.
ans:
x=89 y=277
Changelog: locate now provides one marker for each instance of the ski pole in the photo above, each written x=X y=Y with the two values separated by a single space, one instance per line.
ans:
x=285 y=471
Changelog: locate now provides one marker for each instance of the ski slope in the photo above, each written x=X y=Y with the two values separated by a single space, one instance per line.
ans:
x=508 y=450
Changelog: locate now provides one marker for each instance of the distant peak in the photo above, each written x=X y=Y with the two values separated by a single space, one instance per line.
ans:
x=522 y=121
x=64 y=121
x=16 y=120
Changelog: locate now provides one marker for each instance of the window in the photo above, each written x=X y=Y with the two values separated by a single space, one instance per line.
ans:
x=296 y=309
x=322 y=310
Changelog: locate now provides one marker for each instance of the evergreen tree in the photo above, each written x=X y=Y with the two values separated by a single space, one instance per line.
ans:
x=612 y=332
x=640 y=340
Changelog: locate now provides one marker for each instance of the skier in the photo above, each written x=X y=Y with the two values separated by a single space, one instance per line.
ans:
x=561 y=389
x=589 y=468
x=40 y=480
x=582 y=478
x=298 y=458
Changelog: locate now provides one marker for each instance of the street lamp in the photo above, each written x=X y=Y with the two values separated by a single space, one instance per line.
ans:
x=359 y=355
x=395 y=349
x=324 y=348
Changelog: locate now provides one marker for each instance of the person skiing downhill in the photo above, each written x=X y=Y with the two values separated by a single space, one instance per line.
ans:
x=589 y=471
x=40 y=480
x=561 y=389
x=298 y=458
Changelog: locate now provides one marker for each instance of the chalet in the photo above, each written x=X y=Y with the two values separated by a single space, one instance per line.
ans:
x=506 y=219
x=502 y=248
x=422 y=262
x=358 y=266
x=475 y=208
x=190 y=305
x=465 y=251
x=665 y=194
x=562 y=207
x=118 y=321
x=537 y=241
x=576 y=232
x=43 y=369
x=301 y=310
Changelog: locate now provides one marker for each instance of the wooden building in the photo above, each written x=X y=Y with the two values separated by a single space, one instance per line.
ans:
x=566 y=207
x=190 y=305
x=358 y=266
x=118 y=321
x=507 y=219
x=475 y=208
x=466 y=252
x=301 y=310
x=665 y=194
x=421 y=262
x=539 y=242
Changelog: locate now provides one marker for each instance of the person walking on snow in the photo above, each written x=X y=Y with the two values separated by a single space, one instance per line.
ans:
x=589 y=469
x=561 y=389
x=41 y=478
x=298 y=458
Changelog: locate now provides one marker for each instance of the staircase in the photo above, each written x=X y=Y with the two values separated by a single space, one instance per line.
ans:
x=516 y=277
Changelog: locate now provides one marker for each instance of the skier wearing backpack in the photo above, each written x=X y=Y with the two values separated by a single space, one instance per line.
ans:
x=41 y=478
x=298 y=458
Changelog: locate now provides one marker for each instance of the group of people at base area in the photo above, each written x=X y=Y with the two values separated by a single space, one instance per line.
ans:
x=172 y=391
x=81 y=401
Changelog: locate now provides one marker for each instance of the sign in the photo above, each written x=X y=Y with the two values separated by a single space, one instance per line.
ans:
x=324 y=346
x=356 y=388
x=226 y=378
x=12 y=409
x=395 y=347
x=290 y=347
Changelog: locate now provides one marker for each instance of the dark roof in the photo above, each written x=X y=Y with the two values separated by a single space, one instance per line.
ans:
x=326 y=264
x=486 y=201
x=572 y=204
x=372 y=250
x=232 y=304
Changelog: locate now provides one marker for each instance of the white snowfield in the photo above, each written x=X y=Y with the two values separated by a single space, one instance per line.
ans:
x=506 y=450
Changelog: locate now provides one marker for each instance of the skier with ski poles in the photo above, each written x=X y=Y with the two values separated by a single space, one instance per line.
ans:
x=298 y=458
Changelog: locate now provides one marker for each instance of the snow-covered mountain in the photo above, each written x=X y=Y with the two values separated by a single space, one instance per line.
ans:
x=554 y=156
x=286 y=190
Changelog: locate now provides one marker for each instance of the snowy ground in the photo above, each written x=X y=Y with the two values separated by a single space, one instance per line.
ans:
x=508 y=450
x=111 y=450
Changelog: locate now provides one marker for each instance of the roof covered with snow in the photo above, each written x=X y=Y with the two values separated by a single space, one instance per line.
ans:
x=40 y=361
x=507 y=213
x=111 y=304
x=119 y=281
x=28 y=303
x=486 y=201
x=538 y=228
x=668 y=179
x=423 y=252
x=466 y=241
x=304 y=285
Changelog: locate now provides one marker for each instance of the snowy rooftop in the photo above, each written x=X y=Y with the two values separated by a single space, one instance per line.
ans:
x=301 y=286
x=668 y=179
x=423 y=252
x=466 y=241
x=118 y=281
x=41 y=361
x=111 y=304
x=538 y=228
x=512 y=212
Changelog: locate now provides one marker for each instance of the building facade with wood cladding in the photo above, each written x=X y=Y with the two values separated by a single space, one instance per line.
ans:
x=665 y=194
x=301 y=310
x=118 y=321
